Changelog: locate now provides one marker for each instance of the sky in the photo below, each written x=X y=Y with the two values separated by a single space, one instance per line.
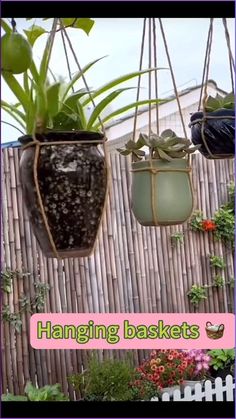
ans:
x=119 y=39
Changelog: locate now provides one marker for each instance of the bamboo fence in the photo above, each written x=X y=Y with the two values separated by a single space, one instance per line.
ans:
x=133 y=269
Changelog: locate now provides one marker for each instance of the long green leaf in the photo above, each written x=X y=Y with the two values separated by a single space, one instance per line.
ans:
x=12 y=125
x=16 y=89
x=127 y=108
x=5 y=26
x=53 y=99
x=103 y=104
x=71 y=101
x=14 y=117
x=13 y=108
x=118 y=81
x=47 y=53
x=78 y=75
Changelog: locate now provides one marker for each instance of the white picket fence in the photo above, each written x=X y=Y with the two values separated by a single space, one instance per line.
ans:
x=210 y=391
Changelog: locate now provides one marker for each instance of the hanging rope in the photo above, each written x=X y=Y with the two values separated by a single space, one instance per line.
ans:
x=80 y=69
x=139 y=77
x=67 y=58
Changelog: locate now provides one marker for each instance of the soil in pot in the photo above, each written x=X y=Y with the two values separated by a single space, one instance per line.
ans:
x=219 y=133
x=72 y=180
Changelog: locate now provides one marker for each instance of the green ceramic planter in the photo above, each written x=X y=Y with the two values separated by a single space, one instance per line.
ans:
x=161 y=192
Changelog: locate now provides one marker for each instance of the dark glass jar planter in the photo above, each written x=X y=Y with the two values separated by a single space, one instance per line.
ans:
x=219 y=133
x=64 y=181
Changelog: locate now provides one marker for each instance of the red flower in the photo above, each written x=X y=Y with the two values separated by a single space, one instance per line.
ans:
x=208 y=225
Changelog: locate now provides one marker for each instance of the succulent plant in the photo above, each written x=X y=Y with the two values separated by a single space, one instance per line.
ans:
x=167 y=146
x=219 y=102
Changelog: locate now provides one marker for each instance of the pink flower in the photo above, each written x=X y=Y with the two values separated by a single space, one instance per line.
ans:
x=205 y=366
x=206 y=358
x=198 y=358
x=199 y=366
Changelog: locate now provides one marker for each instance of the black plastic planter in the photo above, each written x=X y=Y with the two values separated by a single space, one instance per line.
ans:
x=219 y=133
x=64 y=180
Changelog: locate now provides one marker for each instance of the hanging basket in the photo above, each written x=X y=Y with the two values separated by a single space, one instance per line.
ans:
x=214 y=127
x=214 y=332
x=161 y=192
x=215 y=132
x=64 y=180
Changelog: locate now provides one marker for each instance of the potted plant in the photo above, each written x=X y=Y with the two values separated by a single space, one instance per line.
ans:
x=222 y=362
x=161 y=186
x=197 y=369
x=108 y=380
x=63 y=166
x=214 y=129
x=165 y=368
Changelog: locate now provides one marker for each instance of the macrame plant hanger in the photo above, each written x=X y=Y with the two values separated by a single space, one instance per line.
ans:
x=38 y=145
x=152 y=62
x=149 y=31
x=204 y=84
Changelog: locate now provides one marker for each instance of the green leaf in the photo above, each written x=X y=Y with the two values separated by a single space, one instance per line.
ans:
x=168 y=133
x=70 y=103
x=16 y=88
x=85 y=24
x=62 y=121
x=12 y=398
x=164 y=156
x=47 y=53
x=127 y=108
x=14 y=112
x=78 y=75
x=5 y=26
x=118 y=81
x=103 y=104
x=33 y=33
x=53 y=99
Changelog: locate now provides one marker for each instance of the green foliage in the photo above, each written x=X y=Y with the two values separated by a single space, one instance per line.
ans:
x=142 y=388
x=44 y=105
x=217 y=262
x=34 y=394
x=224 y=219
x=13 y=318
x=196 y=221
x=104 y=381
x=12 y=398
x=197 y=294
x=230 y=205
x=33 y=305
x=221 y=358
x=218 y=281
x=220 y=102
x=167 y=146
x=46 y=393
x=177 y=238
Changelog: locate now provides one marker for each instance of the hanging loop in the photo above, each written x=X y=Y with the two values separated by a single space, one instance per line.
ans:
x=152 y=61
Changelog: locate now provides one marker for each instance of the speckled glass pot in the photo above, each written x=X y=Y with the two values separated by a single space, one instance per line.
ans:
x=72 y=181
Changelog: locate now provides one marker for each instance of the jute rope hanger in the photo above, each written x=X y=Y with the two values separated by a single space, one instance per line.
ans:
x=152 y=58
x=152 y=61
x=37 y=144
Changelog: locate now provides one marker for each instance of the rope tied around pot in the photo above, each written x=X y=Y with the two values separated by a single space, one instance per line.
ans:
x=38 y=144
x=152 y=57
